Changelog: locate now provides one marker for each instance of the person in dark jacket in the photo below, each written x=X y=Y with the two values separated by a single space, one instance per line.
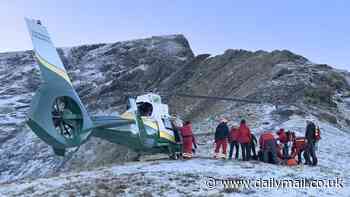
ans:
x=233 y=139
x=253 y=144
x=310 y=145
x=244 y=138
x=221 y=136
x=176 y=130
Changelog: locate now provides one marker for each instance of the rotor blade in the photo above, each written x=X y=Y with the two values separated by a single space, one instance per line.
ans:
x=61 y=127
x=66 y=129
x=214 y=98
x=69 y=125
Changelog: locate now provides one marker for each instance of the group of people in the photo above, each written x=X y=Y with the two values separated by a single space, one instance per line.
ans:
x=282 y=147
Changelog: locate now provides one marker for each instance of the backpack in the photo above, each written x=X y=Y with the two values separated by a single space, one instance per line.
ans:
x=292 y=162
x=318 y=134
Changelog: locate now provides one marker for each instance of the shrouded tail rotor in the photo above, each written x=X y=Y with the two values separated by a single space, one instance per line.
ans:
x=67 y=117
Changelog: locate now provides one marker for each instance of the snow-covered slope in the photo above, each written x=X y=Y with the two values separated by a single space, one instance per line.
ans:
x=192 y=177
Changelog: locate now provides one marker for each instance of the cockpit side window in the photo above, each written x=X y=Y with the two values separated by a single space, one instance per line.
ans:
x=167 y=123
x=145 y=109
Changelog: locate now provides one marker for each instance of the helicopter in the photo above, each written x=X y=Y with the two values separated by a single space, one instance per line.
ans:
x=58 y=117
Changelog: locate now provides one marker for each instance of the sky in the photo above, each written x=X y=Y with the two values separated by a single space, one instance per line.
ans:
x=317 y=30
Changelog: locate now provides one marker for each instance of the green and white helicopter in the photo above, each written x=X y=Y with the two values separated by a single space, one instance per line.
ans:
x=59 y=118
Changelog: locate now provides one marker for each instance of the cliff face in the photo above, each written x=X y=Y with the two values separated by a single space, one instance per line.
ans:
x=280 y=78
x=105 y=74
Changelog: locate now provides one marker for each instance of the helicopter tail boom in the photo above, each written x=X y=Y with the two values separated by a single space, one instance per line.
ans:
x=56 y=114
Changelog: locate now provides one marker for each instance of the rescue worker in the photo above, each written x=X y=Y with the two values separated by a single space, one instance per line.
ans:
x=268 y=147
x=298 y=147
x=176 y=132
x=187 y=140
x=310 y=135
x=221 y=137
x=253 y=144
x=244 y=138
x=282 y=137
x=234 y=144
x=178 y=139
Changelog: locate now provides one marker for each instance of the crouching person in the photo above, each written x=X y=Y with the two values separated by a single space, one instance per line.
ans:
x=299 y=147
x=268 y=147
x=221 y=136
x=283 y=139
x=188 y=140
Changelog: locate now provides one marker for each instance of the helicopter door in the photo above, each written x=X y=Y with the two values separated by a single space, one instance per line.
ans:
x=166 y=129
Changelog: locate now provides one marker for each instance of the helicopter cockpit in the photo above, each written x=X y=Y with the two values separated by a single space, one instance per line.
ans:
x=151 y=108
x=145 y=109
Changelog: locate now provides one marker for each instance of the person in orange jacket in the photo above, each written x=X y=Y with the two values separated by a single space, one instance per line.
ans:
x=188 y=139
x=244 y=138
x=299 y=147
x=268 y=148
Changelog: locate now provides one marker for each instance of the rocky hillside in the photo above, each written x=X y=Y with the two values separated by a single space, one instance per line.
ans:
x=104 y=75
x=280 y=78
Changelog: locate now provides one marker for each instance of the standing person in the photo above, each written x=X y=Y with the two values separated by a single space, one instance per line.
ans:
x=221 y=135
x=282 y=137
x=244 y=138
x=253 y=144
x=233 y=139
x=187 y=138
x=310 y=135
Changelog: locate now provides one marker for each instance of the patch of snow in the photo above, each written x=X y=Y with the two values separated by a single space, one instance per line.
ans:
x=181 y=58
x=142 y=67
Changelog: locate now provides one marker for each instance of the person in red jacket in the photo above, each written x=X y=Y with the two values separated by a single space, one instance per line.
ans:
x=233 y=139
x=298 y=147
x=268 y=148
x=244 y=138
x=282 y=137
x=188 y=140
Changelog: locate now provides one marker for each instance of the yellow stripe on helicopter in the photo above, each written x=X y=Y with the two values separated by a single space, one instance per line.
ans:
x=164 y=134
x=145 y=120
x=150 y=123
x=62 y=73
